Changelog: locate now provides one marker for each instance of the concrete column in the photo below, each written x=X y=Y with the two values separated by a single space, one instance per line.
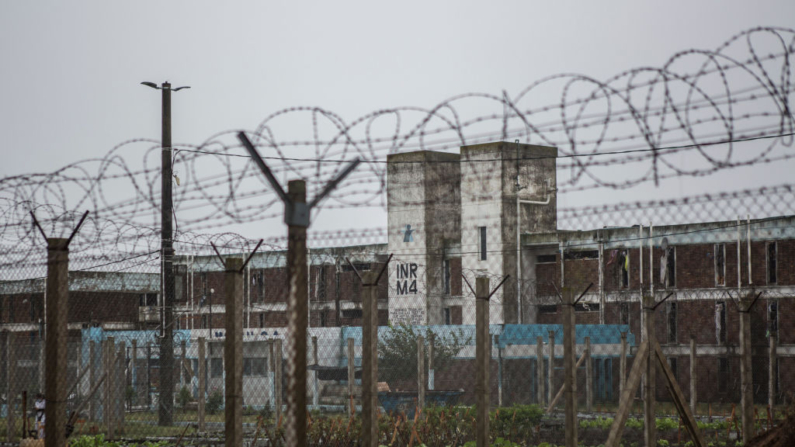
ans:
x=569 y=369
x=315 y=383
x=370 y=360
x=11 y=391
x=771 y=382
x=92 y=379
x=540 y=370
x=202 y=371
x=551 y=368
x=421 y=381
x=482 y=340
x=693 y=376
x=746 y=375
x=588 y=376
x=622 y=368
x=351 y=375
x=649 y=392
x=233 y=352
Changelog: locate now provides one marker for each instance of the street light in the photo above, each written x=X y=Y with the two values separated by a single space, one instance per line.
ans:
x=166 y=407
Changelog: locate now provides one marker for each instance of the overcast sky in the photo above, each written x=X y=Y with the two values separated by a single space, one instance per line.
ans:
x=71 y=71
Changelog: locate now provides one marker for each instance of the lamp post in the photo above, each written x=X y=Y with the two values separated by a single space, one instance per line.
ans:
x=166 y=392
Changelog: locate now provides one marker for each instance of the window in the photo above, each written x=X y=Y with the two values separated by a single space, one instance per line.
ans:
x=204 y=322
x=623 y=313
x=772 y=277
x=673 y=364
x=548 y=309
x=260 y=277
x=720 y=264
x=672 y=323
x=482 y=243
x=586 y=307
x=446 y=315
x=546 y=259
x=262 y=320
x=352 y=313
x=360 y=266
x=254 y=367
x=720 y=322
x=668 y=268
x=772 y=319
x=148 y=299
x=321 y=283
x=323 y=322
x=581 y=254
x=205 y=284
x=446 y=276
x=216 y=367
x=723 y=375
x=32 y=309
x=622 y=267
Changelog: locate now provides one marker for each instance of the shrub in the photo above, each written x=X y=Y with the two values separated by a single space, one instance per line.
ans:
x=399 y=349
x=215 y=401
x=183 y=397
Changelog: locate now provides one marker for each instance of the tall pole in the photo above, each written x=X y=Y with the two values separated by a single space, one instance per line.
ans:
x=233 y=352
x=482 y=341
x=55 y=383
x=166 y=401
x=569 y=369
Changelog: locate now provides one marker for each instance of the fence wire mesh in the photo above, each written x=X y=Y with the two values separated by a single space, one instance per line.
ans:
x=610 y=320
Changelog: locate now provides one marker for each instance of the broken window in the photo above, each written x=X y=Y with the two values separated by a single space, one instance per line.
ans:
x=586 y=307
x=772 y=277
x=720 y=264
x=671 y=322
x=482 y=243
x=621 y=259
x=446 y=276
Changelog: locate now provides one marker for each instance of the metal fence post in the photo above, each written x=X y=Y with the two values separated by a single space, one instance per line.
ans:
x=649 y=384
x=233 y=353
x=107 y=406
x=431 y=347
x=295 y=429
x=202 y=371
x=277 y=378
x=499 y=370
x=370 y=360
x=121 y=384
x=483 y=340
x=569 y=368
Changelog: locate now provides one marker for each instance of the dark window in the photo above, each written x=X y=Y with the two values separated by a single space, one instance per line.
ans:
x=360 y=266
x=352 y=313
x=720 y=264
x=254 y=367
x=623 y=269
x=148 y=299
x=623 y=311
x=216 y=367
x=547 y=309
x=321 y=283
x=673 y=364
x=772 y=277
x=204 y=321
x=446 y=276
x=483 y=243
x=32 y=309
x=261 y=286
x=581 y=254
x=205 y=284
x=772 y=319
x=323 y=322
x=723 y=375
x=261 y=320
x=668 y=278
x=720 y=322
x=671 y=322
x=447 y=316
x=546 y=259
x=586 y=307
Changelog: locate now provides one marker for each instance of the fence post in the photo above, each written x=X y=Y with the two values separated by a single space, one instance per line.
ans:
x=277 y=377
x=622 y=371
x=315 y=383
x=202 y=371
x=370 y=360
x=540 y=370
x=295 y=429
x=149 y=375
x=431 y=378
x=351 y=375
x=649 y=385
x=11 y=392
x=92 y=378
x=746 y=380
x=182 y=371
x=551 y=368
x=134 y=372
x=421 y=381
x=121 y=385
x=483 y=340
x=233 y=352
x=771 y=379
x=107 y=407
x=569 y=368
x=693 y=376
x=499 y=370
x=588 y=376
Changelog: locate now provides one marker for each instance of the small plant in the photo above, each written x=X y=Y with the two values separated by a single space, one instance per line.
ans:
x=215 y=401
x=184 y=397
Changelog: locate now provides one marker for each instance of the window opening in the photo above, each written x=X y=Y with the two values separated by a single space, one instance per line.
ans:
x=216 y=367
x=772 y=277
x=546 y=259
x=672 y=362
x=321 y=283
x=720 y=322
x=623 y=310
x=482 y=243
x=720 y=264
x=581 y=254
x=446 y=316
x=723 y=375
x=772 y=319
x=548 y=309
x=668 y=268
x=204 y=321
x=671 y=322
x=352 y=313
x=323 y=322
x=586 y=307
x=446 y=276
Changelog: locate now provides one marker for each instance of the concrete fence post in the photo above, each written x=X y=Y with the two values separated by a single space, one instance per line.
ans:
x=483 y=342
x=92 y=379
x=134 y=372
x=588 y=376
x=499 y=370
x=421 y=381
x=622 y=368
x=370 y=360
x=315 y=382
x=107 y=404
x=56 y=337
x=121 y=385
x=772 y=370
x=431 y=348
x=693 y=376
x=184 y=355
x=551 y=368
x=746 y=374
x=233 y=353
x=351 y=375
x=202 y=371
x=11 y=391
x=540 y=370
x=649 y=379
x=569 y=368
x=277 y=377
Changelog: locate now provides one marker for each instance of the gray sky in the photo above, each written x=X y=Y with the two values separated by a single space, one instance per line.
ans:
x=69 y=82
